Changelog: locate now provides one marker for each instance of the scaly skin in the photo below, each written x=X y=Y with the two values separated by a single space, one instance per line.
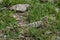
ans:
x=36 y=24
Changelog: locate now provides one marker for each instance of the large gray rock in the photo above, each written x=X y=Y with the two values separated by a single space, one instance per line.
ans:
x=20 y=7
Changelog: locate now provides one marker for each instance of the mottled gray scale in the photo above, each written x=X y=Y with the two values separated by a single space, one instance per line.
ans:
x=19 y=7
x=35 y=24
x=38 y=23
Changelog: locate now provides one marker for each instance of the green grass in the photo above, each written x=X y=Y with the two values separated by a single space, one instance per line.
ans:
x=5 y=19
x=36 y=11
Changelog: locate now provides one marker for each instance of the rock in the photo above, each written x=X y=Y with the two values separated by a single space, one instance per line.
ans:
x=21 y=37
x=48 y=32
x=5 y=36
x=52 y=17
x=27 y=38
x=19 y=17
x=16 y=16
x=20 y=7
x=8 y=27
x=57 y=10
x=55 y=37
x=1 y=34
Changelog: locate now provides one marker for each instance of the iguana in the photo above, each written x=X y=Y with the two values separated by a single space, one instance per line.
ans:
x=39 y=23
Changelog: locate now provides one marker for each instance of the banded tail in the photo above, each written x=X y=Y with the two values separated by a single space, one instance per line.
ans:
x=36 y=24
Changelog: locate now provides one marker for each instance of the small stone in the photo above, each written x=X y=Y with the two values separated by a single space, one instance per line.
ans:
x=57 y=10
x=8 y=27
x=16 y=16
x=52 y=18
x=21 y=36
x=48 y=32
x=5 y=36
x=1 y=34
x=19 y=17
x=22 y=18
x=11 y=39
x=28 y=38
x=20 y=7
x=55 y=37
